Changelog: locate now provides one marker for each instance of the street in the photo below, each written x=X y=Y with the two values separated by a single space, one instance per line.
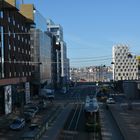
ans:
x=74 y=123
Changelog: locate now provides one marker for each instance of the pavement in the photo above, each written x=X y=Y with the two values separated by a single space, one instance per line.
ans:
x=109 y=128
x=7 y=119
x=128 y=120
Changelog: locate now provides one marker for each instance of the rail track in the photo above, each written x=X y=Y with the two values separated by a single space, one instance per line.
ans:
x=74 y=128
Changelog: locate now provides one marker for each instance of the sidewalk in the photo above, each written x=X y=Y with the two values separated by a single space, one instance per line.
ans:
x=53 y=132
x=109 y=128
x=127 y=120
x=7 y=119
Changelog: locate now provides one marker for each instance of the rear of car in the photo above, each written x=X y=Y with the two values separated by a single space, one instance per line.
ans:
x=18 y=124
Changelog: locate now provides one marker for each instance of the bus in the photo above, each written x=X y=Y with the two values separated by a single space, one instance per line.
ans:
x=91 y=111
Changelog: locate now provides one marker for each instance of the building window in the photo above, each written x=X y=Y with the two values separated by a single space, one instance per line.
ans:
x=9 y=74
x=14 y=35
x=18 y=37
x=1 y=14
x=9 y=47
x=14 y=48
x=9 y=33
x=9 y=19
x=14 y=23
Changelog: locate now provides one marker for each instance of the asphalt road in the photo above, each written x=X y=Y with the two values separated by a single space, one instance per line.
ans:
x=74 y=127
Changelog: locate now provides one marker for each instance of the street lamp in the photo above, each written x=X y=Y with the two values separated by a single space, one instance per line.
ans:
x=129 y=56
x=113 y=70
x=100 y=72
x=129 y=98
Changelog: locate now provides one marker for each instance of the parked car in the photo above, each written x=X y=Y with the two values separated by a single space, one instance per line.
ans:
x=47 y=93
x=42 y=104
x=31 y=113
x=17 y=124
x=28 y=117
x=32 y=108
x=110 y=101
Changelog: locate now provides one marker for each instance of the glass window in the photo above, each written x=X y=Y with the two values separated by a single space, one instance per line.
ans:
x=9 y=19
x=1 y=14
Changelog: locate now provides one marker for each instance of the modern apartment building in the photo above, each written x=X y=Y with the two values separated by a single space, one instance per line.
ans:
x=15 y=67
x=125 y=65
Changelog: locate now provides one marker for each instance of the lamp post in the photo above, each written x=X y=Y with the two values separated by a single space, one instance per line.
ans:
x=113 y=70
x=129 y=98
x=129 y=57
x=100 y=72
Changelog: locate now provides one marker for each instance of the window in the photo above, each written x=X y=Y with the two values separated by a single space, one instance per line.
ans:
x=14 y=23
x=14 y=35
x=9 y=19
x=18 y=37
x=1 y=14
x=9 y=47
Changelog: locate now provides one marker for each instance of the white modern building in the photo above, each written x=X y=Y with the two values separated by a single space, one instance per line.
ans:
x=125 y=65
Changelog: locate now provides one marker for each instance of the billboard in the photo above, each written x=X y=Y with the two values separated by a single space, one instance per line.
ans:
x=8 y=99
x=27 y=92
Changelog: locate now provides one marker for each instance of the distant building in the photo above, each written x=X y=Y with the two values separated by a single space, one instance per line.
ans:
x=91 y=74
x=125 y=65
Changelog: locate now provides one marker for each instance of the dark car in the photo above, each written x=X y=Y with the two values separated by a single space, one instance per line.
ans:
x=18 y=124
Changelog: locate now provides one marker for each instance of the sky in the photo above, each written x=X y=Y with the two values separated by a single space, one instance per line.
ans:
x=92 y=27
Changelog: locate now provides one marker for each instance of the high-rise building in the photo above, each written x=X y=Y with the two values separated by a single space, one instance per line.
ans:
x=57 y=30
x=15 y=66
x=125 y=65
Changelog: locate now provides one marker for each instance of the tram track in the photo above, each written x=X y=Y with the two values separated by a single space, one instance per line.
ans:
x=70 y=130
x=74 y=127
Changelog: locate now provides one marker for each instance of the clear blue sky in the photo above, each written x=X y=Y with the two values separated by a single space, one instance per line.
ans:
x=92 y=27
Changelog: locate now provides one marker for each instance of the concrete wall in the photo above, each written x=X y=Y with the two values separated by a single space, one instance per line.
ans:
x=131 y=89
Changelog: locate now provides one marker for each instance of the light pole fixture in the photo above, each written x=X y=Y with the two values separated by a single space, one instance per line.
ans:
x=112 y=63
x=129 y=55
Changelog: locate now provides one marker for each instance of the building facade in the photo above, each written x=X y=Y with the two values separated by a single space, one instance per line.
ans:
x=41 y=53
x=15 y=67
x=125 y=65
x=57 y=31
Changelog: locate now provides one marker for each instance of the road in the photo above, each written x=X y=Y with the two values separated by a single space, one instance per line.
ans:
x=74 y=127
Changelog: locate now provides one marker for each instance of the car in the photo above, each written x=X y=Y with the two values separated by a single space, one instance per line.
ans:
x=28 y=117
x=31 y=113
x=17 y=124
x=110 y=101
x=34 y=126
x=42 y=104
x=32 y=108
x=47 y=93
